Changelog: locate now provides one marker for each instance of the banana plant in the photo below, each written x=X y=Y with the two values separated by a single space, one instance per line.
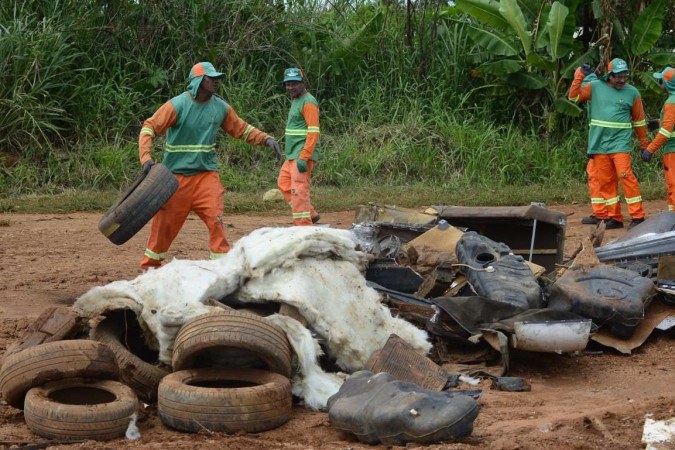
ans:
x=635 y=38
x=530 y=46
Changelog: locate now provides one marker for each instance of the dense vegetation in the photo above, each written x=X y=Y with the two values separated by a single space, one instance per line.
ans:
x=424 y=93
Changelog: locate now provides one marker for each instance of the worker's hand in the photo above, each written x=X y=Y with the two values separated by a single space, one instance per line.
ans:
x=274 y=145
x=646 y=155
x=302 y=165
x=653 y=124
x=147 y=165
x=586 y=69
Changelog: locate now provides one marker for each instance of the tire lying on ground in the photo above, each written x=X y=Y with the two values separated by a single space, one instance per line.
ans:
x=225 y=400
x=52 y=361
x=232 y=339
x=138 y=204
x=121 y=332
x=80 y=409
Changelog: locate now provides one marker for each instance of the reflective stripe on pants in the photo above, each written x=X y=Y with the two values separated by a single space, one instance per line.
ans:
x=597 y=202
x=294 y=186
x=615 y=168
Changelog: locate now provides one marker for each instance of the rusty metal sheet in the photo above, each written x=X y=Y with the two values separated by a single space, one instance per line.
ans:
x=657 y=311
x=53 y=324
x=373 y=212
x=534 y=232
x=398 y=359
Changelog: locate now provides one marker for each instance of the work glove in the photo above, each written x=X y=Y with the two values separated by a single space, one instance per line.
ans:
x=646 y=156
x=653 y=124
x=274 y=145
x=586 y=69
x=302 y=165
x=147 y=165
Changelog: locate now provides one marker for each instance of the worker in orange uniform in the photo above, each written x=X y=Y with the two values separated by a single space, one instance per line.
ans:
x=597 y=202
x=301 y=148
x=191 y=121
x=615 y=109
x=665 y=138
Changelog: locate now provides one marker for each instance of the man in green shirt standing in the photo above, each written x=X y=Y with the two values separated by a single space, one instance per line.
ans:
x=616 y=109
x=301 y=148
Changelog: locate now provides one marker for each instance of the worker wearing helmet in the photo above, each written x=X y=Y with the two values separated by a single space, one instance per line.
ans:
x=615 y=110
x=191 y=121
x=665 y=138
x=301 y=149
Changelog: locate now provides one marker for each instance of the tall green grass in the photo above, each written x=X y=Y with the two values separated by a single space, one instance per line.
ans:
x=399 y=107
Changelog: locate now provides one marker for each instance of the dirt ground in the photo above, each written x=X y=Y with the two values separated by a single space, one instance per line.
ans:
x=596 y=400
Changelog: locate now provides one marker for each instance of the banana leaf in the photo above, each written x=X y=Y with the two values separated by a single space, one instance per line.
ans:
x=647 y=27
x=493 y=41
x=485 y=11
x=556 y=27
x=514 y=16
x=500 y=68
x=567 y=107
x=526 y=80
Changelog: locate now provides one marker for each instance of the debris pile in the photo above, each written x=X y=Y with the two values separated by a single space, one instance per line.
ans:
x=417 y=307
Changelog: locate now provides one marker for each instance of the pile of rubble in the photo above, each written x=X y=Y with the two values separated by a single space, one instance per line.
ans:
x=409 y=309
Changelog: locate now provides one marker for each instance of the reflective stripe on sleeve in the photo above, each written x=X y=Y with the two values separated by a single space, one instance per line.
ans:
x=665 y=132
x=247 y=132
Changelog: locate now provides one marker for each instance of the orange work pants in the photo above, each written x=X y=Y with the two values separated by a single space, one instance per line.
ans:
x=202 y=193
x=610 y=169
x=597 y=202
x=294 y=186
x=669 y=174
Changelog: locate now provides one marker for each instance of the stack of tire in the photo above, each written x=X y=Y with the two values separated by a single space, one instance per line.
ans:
x=68 y=390
x=231 y=374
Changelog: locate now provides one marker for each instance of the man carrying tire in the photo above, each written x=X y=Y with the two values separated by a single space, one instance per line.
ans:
x=191 y=121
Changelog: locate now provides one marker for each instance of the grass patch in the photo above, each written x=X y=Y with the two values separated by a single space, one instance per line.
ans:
x=341 y=199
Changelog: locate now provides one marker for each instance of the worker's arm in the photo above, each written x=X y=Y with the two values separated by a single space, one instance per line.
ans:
x=239 y=129
x=162 y=120
x=639 y=122
x=580 y=90
x=666 y=130
x=311 y=114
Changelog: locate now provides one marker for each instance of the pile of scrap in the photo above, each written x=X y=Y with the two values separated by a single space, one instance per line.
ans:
x=487 y=281
x=224 y=345
x=387 y=326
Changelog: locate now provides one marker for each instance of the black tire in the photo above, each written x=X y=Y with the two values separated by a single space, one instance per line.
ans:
x=225 y=400
x=138 y=204
x=142 y=376
x=53 y=361
x=232 y=339
x=80 y=409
